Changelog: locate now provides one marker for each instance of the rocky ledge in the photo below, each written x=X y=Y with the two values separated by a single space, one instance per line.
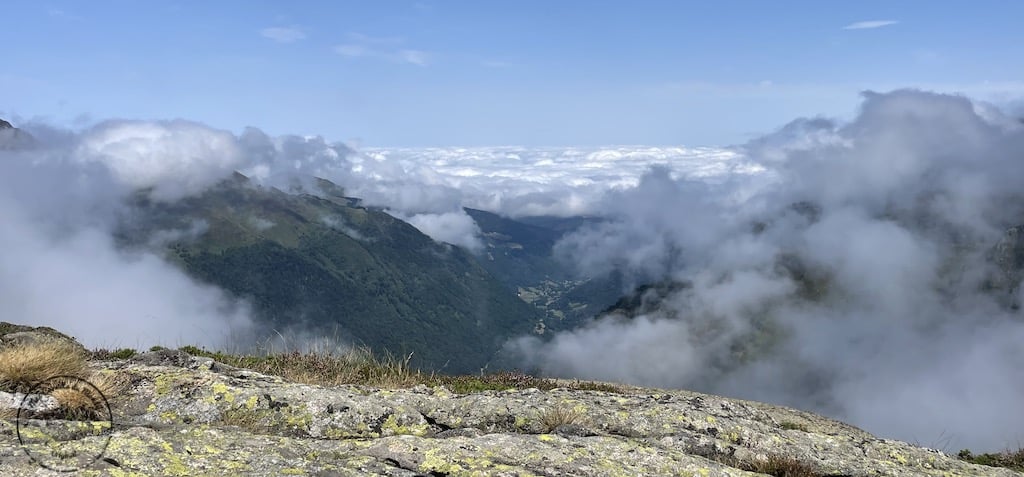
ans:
x=183 y=415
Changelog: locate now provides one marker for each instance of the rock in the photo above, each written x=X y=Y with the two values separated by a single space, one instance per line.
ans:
x=184 y=415
x=18 y=335
x=194 y=420
x=13 y=138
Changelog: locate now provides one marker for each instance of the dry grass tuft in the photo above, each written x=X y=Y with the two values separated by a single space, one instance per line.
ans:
x=782 y=466
x=775 y=465
x=361 y=366
x=23 y=366
x=793 y=426
x=560 y=415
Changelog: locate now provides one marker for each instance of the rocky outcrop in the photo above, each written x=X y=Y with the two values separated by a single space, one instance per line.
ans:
x=12 y=137
x=184 y=415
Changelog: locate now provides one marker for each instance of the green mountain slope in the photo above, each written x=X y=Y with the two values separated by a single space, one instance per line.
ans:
x=331 y=266
x=519 y=253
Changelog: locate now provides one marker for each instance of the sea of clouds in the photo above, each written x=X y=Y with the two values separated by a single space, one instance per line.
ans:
x=907 y=200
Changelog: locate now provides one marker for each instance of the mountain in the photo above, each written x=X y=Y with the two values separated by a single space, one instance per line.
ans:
x=12 y=137
x=326 y=265
x=520 y=254
x=179 y=414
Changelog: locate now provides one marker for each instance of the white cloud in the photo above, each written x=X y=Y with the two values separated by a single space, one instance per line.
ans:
x=416 y=57
x=61 y=200
x=456 y=228
x=352 y=51
x=176 y=158
x=886 y=221
x=867 y=25
x=382 y=48
x=283 y=34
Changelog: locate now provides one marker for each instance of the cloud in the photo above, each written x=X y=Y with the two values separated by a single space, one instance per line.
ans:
x=175 y=158
x=857 y=275
x=867 y=25
x=283 y=34
x=416 y=57
x=352 y=51
x=62 y=199
x=497 y=64
x=382 y=48
x=456 y=228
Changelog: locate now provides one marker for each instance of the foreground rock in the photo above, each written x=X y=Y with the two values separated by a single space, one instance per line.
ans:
x=192 y=416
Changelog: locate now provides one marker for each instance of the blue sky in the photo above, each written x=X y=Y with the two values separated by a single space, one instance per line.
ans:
x=433 y=73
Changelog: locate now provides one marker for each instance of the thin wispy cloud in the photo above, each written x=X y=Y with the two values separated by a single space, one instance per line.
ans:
x=283 y=34
x=383 y=48
x=352 y=51
x=870 y=24
x=495 y=64
x=416 y=57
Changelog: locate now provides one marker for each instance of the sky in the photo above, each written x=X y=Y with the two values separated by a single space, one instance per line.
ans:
x=690 y=128
x=526 y=73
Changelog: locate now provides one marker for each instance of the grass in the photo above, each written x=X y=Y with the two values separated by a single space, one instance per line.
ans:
x=1010 y=459
x=23 y=366
x=792 y=426
x=560 y=415
x=118 y=354
x=33 y=367
x=781 y=466
x=360 y=366
x=775 y=465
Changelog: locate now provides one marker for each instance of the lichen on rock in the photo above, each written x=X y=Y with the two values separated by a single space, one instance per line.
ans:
x=184 y=415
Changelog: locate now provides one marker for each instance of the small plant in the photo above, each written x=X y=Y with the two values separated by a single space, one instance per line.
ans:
x=782 y=466
x=560 y=415
x=1009 y=459
x=23 y=366
x=793 y=426
x=192 y=350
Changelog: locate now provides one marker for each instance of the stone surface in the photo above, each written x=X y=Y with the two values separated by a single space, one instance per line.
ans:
x=190 y=416
x=17 y=335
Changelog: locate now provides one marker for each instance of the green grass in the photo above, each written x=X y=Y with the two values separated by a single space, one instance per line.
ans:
x=1010 y=459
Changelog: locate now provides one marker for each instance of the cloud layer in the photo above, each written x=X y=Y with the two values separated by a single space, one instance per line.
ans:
x=844 y=268
x=870 y=24
x=853 y=276
x=60 y=200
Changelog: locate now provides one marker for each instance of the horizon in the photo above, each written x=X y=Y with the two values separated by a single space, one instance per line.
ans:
x=461 y=74
x=840 y=186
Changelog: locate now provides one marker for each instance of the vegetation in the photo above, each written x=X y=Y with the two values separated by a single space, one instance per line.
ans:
x=58 y=367
x=776 y=465
x=315 y=265
x=359 y=366
x=1011 y=459
x=560 y=415
x=793 y=426
x=118 y=354
x=23 y=366
x=781 y=466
